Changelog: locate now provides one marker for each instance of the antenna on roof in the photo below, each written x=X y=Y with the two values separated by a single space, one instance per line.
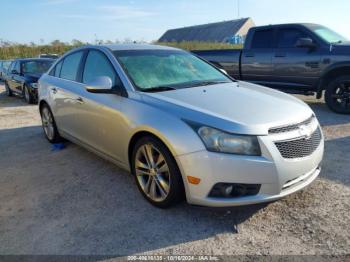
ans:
x=238 y=5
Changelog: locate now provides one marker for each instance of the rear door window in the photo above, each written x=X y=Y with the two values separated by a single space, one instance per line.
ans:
x=70 y=66
x=58 y=69
x=262 y=39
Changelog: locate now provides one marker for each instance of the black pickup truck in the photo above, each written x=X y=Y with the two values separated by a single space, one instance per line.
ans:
x=299 y=58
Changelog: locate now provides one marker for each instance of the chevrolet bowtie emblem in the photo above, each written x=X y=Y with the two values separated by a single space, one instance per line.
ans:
x=305 y=131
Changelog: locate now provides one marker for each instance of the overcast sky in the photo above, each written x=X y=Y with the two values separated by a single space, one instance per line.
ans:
x=32 y=20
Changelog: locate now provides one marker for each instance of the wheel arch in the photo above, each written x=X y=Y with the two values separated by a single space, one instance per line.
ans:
x=42 y=103
x=153 y=133
x=330 y=73
x=147 y=132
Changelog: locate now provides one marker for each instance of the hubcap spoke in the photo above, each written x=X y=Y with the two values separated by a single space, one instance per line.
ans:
x=141 y=172
x=160 y=161
x=163 y=183
x=153 y=189
x=164 y=168
x=142 y=165
x=148 y=185
x=161 y=189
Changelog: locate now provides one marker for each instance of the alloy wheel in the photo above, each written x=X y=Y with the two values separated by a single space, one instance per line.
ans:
x=48 y=124
x=152 y=172
x=341 y=95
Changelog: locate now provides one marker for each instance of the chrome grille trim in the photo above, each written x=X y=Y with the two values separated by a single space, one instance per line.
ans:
x=300 y=147
x=299 y=179
x=288 y=128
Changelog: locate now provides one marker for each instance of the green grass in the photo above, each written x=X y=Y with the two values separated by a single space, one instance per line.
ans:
x=23 y=51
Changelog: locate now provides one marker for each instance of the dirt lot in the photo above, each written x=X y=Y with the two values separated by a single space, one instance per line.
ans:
x=73 y=202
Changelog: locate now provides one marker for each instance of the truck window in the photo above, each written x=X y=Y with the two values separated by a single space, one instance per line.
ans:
x=287 y=38
x=262 y=39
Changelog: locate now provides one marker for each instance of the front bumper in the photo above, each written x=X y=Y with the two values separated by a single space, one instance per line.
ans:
x=278 y=176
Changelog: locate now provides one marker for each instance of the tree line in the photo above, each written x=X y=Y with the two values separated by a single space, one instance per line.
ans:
x=9 y=50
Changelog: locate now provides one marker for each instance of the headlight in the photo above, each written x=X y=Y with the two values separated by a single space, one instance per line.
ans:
x=34 y=85
x=219 y=141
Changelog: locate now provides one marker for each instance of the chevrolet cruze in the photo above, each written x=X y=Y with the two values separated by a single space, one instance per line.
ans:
x=182 y=127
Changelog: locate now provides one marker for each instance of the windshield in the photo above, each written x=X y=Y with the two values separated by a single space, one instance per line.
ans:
x=36 y=67
x=327 y=34
x=167 y=69
x=6 y=64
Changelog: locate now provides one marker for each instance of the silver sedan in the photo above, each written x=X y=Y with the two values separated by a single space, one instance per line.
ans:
x=183 y=128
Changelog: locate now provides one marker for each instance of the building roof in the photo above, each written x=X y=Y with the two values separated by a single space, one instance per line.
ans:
x=213 y=32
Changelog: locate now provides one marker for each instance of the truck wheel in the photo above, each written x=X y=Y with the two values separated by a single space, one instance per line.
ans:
x=8 y=90
x=337 y=95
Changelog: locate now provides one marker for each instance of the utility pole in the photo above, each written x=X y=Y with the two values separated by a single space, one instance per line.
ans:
x=238 y=5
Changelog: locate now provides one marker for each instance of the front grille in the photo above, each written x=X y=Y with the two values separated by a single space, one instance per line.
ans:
x=300 y=147
x=284 y=129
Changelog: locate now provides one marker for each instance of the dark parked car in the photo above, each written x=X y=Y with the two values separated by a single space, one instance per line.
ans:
x=298 y=58
x=52 y=56
x=4 y=65
x=23 y=75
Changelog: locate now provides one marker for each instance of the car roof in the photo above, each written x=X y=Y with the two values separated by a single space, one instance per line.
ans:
x=125 y=47
x=285 y=25
x=33 y=59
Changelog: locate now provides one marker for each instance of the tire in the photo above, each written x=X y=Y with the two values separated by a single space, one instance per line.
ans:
x=161 y=185
x=337 y=95
x=49 y=125
x=28 y=97
x=8 y=90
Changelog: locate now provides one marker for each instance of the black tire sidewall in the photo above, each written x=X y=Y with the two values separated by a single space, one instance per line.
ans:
x=329 y=92
x=8 y=90
x=177 y=191
x=31 y=99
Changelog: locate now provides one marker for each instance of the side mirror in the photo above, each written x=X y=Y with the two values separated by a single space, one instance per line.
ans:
x=305 y=43
x=15 y=72
x=100 y=84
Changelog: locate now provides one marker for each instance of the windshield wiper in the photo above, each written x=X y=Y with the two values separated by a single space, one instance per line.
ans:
x=207 y=83
x=158 y=89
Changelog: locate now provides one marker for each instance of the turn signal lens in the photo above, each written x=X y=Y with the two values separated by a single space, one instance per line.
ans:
x=193 y=180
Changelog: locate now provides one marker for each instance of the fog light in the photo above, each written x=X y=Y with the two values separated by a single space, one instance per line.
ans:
x=226 y=190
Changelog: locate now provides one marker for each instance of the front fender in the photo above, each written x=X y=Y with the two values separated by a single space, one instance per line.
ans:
x=328 y=72
x=178 y=136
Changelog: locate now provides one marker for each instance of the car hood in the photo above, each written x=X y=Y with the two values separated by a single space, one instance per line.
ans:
x=341 y=49
x=241 y=107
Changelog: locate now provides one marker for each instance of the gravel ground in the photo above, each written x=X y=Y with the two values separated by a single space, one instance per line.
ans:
x=73 y=202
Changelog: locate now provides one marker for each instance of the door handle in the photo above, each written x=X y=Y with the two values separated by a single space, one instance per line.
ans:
x=54 y=90
x=80 y=100
x=249 y=55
